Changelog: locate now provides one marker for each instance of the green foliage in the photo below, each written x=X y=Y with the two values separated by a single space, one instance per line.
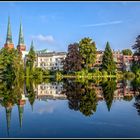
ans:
x=97 y=73
x=127 y=52
x=136 y=68
x=58 y=76
x=129 y=75
x=81 y=97
x=108 y=63
x=108 y=91
x=87 y=49
x=11 y=64
x=88 y=102
x=31 y=57
x=136 y=84
x=104 y=73
x=30 y=91
x=128 y=98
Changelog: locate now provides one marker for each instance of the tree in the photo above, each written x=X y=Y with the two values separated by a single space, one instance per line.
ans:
x=73 y=60
x=136 y=46
x=108 y=63
x=31 y=57
x=11 y=64
x=126 y=52
x=87 y=49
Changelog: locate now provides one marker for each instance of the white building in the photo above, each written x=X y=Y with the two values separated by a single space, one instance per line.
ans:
x=50 y=60
x=50 y=91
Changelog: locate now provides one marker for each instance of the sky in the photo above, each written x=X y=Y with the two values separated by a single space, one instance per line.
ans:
x=55 y=25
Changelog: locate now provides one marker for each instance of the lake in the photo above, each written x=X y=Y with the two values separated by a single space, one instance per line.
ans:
x=70 y=109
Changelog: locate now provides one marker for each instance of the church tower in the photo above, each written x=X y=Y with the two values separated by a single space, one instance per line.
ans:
x=9 y=44
x=21 y=46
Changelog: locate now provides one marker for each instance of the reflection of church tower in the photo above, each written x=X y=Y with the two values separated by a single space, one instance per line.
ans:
x=9 y=44
x=20 y=111
x=21 y=104
x=8 y=118
x=21 y=46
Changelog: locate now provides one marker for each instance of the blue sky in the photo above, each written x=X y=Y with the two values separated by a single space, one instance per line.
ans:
x=54 y=25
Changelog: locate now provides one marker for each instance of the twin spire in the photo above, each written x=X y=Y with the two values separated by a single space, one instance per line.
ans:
x=9 y=43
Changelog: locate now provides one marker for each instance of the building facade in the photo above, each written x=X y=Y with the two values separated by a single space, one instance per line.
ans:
x=123 y=62
x=50 y=91
x=50 y=60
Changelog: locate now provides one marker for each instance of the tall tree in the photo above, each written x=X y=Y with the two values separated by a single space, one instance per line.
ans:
x=108 y=63
x=31 y=57
x=87 y=49
x=73 y=60
x=127 y=52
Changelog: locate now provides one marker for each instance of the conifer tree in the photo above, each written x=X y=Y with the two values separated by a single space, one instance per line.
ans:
x=108 y=63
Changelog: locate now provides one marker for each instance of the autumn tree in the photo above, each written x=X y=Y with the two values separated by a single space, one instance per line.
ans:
x=73 y=59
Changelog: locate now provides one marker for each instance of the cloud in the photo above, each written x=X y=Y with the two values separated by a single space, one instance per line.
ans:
x=49 y=109
x=43 y=38
x=103 y=24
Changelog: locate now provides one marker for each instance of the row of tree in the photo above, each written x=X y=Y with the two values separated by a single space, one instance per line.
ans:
x=83 y=55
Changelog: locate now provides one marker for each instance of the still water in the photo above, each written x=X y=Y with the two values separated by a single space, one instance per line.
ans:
x=70 y=109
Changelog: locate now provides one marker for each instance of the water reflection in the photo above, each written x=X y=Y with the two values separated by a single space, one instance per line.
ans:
x=81 y=96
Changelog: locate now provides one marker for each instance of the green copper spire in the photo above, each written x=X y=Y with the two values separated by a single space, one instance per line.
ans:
x=20 y=111
x=21 y=37
x=9 y=33
x=8 y=118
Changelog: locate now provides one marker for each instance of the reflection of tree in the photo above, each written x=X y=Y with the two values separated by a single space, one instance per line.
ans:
x=136 y=84
x=108 y=91
x=31 y=93
x=88 y=102
x=137 y=103
x=81 y=97
x=128 y=98
x=10 y=91
x=74 y=92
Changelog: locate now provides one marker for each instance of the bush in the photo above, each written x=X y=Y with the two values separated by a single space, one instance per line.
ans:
x=129 y=75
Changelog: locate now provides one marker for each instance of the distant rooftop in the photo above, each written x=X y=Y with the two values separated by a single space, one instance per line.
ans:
x=43 y=51
x=48 y=54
